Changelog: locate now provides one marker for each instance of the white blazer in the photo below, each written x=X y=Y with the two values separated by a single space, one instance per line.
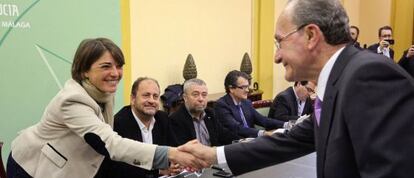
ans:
x=55 y=147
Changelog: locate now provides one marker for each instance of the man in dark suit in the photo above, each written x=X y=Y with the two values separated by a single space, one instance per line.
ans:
x=144 y=122
x=193 y=121
x=354 y=30
x=293 y=102
x=383 y=46
x=407 y=60
x=236 y=112
x=363 y=124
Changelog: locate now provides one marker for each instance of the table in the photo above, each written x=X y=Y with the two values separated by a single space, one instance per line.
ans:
x=303 y=167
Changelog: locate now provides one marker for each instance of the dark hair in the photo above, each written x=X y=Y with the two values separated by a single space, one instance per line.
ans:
x=383 y=28
x=356 y=28
x=138 y=81
x=328 y=15
x=89 y=51
x=231 y=79
x=303 y=83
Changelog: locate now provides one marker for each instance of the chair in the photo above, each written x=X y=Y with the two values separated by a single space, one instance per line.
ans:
x=2 y=170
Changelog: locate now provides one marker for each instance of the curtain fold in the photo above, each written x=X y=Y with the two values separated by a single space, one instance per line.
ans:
x=402 y=20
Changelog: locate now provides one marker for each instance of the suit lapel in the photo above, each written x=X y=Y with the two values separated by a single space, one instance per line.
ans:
x=293 y=102
x=308 y=108
x=188 y=121
x=158 y=133
x=329 y=102
x=234 y=108
x=135 y=131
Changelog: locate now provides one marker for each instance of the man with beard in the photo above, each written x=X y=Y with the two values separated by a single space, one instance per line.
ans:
x=193 y=121
x=142 y=121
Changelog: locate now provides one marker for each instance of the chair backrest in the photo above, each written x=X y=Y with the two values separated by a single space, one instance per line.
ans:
x=2 y=170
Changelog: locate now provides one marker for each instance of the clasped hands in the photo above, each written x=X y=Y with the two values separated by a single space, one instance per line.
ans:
x=193 y=156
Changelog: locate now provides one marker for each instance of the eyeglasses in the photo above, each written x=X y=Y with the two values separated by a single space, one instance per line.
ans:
x=386 y=36
x=278 y=41
x=243 y=87
x=310 y=90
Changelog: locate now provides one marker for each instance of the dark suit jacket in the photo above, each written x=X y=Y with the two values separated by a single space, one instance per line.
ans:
x=366 y=127
x=374 y=48
x=228 y=114
x=126 y=126
x=285 y=106
x=182 y=124
x=407 y=63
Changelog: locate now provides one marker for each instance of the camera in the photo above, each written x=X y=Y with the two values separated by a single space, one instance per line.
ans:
x=390 y=41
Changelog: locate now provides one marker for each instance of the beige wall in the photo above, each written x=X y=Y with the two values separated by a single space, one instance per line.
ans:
x=403 y=24
x=369 y=16
x=279 y=82
x=352 y=8
x=163 y=32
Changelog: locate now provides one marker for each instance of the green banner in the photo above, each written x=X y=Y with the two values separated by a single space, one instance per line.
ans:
x=38 y=39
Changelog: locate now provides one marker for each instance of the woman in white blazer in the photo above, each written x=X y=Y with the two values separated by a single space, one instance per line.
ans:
x=74 y=134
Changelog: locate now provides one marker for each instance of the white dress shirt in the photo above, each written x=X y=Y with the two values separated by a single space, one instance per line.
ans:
x=146 y=133
x=385 y=51
x=300 y=104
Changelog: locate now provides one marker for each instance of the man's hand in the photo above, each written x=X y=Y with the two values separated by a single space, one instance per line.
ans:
x=383 y=44
x=410 y=52
x=186 y=159
x=269 y=132
x=302 y=118
x=205 y=153
x=174 y=169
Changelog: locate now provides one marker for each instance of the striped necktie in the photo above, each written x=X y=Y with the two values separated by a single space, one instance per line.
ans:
x=242 y=116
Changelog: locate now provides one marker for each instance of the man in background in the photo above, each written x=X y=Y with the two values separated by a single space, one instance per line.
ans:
x=193 y=121
x=236 y=112
x=407 y=60
x=144 y=122
x=385 y=41
x=354 y=30
x=293 y=102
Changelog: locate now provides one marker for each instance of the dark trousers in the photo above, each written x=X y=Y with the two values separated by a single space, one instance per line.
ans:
x=14 y=170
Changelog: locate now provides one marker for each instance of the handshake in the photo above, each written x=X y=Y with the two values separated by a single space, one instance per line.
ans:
x=193 y=156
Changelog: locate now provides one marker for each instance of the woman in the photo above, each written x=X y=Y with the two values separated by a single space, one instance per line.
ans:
x=74 y=136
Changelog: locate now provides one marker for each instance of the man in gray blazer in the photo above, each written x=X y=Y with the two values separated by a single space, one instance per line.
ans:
x=361 y=127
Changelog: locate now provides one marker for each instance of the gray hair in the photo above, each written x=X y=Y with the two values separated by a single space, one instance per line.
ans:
x=194 y=81
x=328 y=15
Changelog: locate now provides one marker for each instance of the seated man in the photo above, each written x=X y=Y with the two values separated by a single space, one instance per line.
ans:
x=385 y=41
x=407 y=60
x=142 y=121
x=293 y=102
x=354 y=30
x=193 y=121
x=236 y=112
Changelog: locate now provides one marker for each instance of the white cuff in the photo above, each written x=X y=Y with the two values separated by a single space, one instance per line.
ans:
x=221 y=157
x=260 y=133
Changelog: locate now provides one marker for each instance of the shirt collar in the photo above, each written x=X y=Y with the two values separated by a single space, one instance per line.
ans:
x=296 y=95
x=325 y=72
x=141 y=124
